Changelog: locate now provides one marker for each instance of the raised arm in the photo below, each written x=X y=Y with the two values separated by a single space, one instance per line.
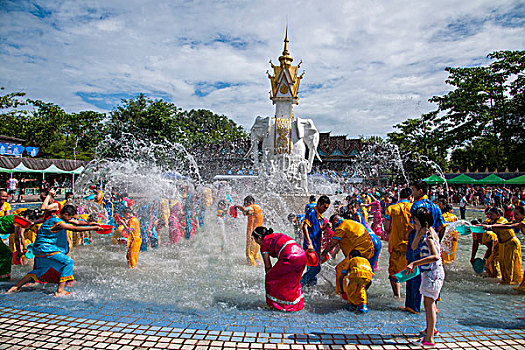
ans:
x=82 y=222
x=46 y=205
x=65 y=226
x=507 y=225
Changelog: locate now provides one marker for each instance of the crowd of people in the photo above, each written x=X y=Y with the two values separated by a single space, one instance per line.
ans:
x=498 y=196
x=19 y=188
x=412 y=224
x=415 y=228
x=54 y=228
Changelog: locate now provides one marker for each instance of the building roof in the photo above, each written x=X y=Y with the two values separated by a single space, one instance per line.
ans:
x=41 y=164
x=9 y=139
x=338 y=146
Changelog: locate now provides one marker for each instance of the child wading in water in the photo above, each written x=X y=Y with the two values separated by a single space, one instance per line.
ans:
x=431 y=267
x=355 y=279
x=132 y=227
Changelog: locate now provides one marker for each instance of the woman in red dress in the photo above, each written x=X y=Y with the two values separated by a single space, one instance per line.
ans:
x=283 y=280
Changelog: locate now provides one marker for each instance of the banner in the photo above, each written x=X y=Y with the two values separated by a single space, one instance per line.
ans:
x=17 y=150
x=8 y=149
x=32 y=151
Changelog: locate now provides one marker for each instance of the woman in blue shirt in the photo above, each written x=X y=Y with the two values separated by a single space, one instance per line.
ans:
x=51 y=247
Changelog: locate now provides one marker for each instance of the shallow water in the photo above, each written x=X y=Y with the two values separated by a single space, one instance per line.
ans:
x=198 y=276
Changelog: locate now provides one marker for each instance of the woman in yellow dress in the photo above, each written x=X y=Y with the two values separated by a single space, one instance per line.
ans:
x=490 y=240
x=519 y=223
x=255 y=219
x=132 y=226
x=509 y=246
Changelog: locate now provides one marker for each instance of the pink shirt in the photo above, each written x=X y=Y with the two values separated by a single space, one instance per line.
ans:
x=274 y=243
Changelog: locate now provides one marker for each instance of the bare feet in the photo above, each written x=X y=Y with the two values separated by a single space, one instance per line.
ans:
x=407 y=309
x=61 y=294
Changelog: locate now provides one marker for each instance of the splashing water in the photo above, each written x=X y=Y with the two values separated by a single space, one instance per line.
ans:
x=447 y=242
x=437 y=168
x=209 y=272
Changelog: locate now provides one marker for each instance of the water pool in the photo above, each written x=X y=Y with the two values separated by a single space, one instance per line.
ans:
x=196 y=283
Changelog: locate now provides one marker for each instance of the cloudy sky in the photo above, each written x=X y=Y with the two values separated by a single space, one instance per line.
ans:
x=369 y=64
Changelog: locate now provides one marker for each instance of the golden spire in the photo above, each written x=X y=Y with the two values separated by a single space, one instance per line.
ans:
x=286 y=59
x=285 y=51
x=285 y=81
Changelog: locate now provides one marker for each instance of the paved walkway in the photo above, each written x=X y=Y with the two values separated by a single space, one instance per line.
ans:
x=33 y=319
x=20 y=329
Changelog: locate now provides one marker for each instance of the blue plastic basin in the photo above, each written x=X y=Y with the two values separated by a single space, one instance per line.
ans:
x=403 y=277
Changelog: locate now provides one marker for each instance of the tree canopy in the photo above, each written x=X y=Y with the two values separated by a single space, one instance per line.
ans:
x=66 y=135
x=48 y=126
x=159 y=122
x=480 y=121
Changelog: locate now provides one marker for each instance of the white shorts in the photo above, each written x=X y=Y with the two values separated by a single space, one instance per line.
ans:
x=432 y=282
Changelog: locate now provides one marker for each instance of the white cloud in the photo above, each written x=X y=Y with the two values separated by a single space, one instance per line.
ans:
x=369 y=64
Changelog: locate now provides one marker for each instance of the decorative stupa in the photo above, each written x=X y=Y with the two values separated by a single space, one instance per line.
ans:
x=285 y=138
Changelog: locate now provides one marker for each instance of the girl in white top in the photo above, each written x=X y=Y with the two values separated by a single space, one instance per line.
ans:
x=431 y=267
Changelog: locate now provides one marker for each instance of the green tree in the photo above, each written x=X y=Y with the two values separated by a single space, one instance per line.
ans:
x=486 y=102
x=210 y=128
x=480 y=120
x=482 y=153
x=47 y=122
x=82 y=132
x=47 y=125
x=11 y=100
x=419 y=148
x=145 y=118
x=159 y=123
x=15 y=119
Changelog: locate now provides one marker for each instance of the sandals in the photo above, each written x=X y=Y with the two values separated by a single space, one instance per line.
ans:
x=422 y=342
x=425 y=343
x=424 y=332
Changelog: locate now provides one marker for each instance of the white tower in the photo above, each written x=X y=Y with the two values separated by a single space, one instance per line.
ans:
x=285 y=83
x=284 y=94
x=285 y=139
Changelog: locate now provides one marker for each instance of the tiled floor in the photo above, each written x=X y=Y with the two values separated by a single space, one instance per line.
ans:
x=34 y=330
x=26 y=329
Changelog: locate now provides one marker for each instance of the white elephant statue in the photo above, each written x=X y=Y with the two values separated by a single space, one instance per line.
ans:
x=292 y=161
x=308 y=133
